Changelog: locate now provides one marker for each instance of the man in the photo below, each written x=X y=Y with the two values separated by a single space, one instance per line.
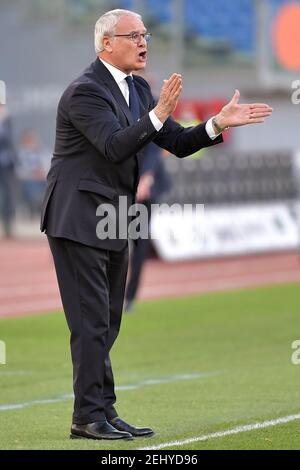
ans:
x=153 y=182
x=7 y=172
x=105 y=118
x=32 y=167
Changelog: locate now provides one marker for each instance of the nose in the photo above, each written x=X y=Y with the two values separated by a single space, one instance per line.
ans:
x=142 y=41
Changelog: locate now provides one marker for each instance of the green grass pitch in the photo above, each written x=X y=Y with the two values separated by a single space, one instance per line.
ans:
x=188 y=367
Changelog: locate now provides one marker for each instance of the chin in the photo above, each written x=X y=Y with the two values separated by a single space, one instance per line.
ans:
x=140 y=66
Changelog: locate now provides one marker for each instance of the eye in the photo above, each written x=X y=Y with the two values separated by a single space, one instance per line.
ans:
x=135 y=36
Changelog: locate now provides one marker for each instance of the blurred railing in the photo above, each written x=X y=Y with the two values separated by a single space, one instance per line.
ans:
x=232 y=178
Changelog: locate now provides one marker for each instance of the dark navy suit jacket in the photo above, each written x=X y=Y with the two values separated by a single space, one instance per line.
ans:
x=98 y=151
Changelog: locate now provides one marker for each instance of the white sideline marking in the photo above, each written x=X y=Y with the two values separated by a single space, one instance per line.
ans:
x=60 y=398
x=166 y=380
x=19 y=406
x=12 y=373
x=229 y=432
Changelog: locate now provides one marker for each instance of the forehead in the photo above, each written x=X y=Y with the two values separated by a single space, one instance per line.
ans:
x=128 y=23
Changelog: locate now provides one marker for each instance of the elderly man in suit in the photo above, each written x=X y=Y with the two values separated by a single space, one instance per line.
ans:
x=105 y=118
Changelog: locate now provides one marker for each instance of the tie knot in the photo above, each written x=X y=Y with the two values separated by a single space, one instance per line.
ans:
x=129 y=80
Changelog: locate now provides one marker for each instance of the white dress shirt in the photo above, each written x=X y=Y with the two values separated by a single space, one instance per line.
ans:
x=120 y=76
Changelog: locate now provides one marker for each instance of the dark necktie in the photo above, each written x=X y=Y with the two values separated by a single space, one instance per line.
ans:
x=133 y=99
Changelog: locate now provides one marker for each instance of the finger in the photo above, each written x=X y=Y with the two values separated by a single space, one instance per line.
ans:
x=256 y=111
x=256 y=121
x=171 y=77
x=169 y=83
x=236 y=97
x=259 y=115
x=259 y=105
x=174 y=86
x=266 y=111
x=177 y=93
x=176 y=83
x=167 y=88
x=175 y=79
x=166 y=84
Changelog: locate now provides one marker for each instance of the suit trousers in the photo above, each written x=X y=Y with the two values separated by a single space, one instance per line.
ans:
x=92 y=284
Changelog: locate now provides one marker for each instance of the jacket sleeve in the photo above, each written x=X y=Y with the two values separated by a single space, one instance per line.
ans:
x=184 y=141
x=94 y=116
x=178 y=140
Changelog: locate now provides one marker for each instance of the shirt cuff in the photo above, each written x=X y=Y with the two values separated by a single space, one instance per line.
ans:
x=210 y=130
x=155 y=121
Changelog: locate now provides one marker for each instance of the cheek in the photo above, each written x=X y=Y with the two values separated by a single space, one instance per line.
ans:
x=131 y=53
x=126 y=55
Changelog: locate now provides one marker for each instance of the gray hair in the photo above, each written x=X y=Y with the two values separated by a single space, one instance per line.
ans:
x=106 y=25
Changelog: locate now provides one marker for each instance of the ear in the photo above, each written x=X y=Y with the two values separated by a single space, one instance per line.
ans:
x=107 y=43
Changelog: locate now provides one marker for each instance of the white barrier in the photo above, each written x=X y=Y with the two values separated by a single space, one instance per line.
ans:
x=230 y=230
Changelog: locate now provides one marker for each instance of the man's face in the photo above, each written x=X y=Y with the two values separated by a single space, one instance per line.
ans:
x=125 y=54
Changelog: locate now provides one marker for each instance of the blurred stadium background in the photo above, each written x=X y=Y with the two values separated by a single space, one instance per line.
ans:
x=250 y=187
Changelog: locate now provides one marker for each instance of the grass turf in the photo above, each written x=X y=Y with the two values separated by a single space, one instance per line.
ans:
x=243 y=339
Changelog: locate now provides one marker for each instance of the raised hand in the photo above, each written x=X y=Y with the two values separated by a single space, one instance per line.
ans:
x=235 y=114
x=169 y=96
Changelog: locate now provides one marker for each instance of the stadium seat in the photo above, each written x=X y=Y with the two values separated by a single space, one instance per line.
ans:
x=232 y=178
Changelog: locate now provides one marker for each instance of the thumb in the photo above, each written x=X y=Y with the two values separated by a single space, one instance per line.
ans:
x=236 y=97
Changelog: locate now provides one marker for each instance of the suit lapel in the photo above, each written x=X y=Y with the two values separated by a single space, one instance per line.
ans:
x=106 y=77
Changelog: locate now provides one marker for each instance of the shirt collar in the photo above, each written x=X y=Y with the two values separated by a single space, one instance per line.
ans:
x=118 y=75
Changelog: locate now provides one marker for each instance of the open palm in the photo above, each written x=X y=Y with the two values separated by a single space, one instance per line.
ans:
x=235 y=114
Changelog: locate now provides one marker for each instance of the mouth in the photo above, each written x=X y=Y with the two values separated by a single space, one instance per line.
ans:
x=143 y=56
